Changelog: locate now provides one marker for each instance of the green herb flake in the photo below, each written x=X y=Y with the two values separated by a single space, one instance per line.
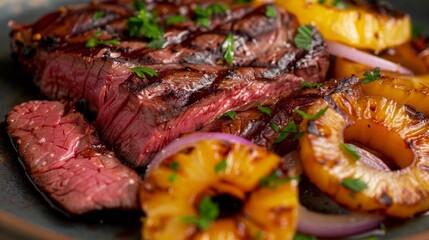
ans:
x=284 y=133
x=228 y=48
x=221 y=166
x=354 y=184
x=242 y=1
x=270 y=11
x=144 y=23
x=311 y=85
x=351 y=150
x=98 y=15
x=275 y=127
x=417 y=31
x=230 y=114
x=259 y=235
x=143 y=71
x=371 y=77
x=138 y=5
x=322 y=1
x=339 y=4
x=92 y=42
x=157 y=43
x=304 y=38
x=175 y=166
x=203 y=15
x=175 y=19
x=265 y=110
x=173 y=177
x=300 y=236
x=275 y=179
x=297 y=136
x=305 y=116
x=208 y=211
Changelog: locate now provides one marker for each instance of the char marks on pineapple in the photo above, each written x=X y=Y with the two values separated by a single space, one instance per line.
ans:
x=194 y=83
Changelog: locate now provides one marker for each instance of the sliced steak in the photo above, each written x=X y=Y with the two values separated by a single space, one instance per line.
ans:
x=67 y=162
x=138 y=116
x=265 y=129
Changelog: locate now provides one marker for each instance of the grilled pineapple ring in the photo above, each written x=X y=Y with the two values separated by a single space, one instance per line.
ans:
x=211 y=169
x=395 y=130
x=358 y=25
x=411 y=90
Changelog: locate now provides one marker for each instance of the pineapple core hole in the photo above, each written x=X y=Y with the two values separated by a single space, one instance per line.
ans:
x=229 y=205
x=382 y=142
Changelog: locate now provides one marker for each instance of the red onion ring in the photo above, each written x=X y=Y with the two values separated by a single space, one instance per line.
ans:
x=176 y=145
x=361 y=57
x=330 y=225
x=334 y=226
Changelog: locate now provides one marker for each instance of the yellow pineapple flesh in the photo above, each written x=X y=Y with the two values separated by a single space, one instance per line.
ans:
x=174 y=191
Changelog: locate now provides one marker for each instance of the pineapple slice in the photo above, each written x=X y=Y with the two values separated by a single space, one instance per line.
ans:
x=411 y=90
x=359 y=24
x=395 y=130
x=179 y=196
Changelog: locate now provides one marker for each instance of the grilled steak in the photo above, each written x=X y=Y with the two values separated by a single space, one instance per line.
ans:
x=266 y=129
x=67 y=162
x=194 y=84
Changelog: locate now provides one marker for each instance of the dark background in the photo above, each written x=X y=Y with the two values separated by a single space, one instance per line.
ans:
x=17 y=196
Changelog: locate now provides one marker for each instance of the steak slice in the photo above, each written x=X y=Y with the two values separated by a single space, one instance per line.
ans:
x=67 y=162
x=265 y=129
x=193 y=86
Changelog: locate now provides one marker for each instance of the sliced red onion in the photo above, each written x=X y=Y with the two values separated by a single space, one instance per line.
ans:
x=361 y=57
x=335 y=226
x=331 y=225
x=181 y=143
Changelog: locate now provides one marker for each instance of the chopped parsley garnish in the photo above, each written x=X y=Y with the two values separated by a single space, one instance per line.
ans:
x=93 y=42
x=350 y=149
x=157 y=43
x=263 y=109
x=221 y=166
x=284 y=133
x=228 y=48
x=145 y=23
x=339 y=4
x=203 y=15
x=305 y=116
x=417 y=31
x=371 y=77
x=230 y=114
x=208 y=211
x=98 y=15
x=175 y=19
x=175 y=166
x=354 y=184
x=311 y=85
x=300 y=236
x=270 y=11
x=275 y=127
x=138 y=5
x=259 y=235
x=242 y=1
x=143 y=71
x=274 y=180
x=304 y=37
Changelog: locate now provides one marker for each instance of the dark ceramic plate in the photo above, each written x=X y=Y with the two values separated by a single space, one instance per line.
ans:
x=24 y=214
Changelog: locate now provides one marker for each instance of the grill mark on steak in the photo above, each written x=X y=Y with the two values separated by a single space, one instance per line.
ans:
x=254 y=125
x=67 y=162
x=137 y=116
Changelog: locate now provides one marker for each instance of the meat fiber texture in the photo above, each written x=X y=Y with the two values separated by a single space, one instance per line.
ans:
x=66 y=160
x=194 y=85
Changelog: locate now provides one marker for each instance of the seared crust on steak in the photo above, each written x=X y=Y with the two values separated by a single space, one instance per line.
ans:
x=194 y=85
